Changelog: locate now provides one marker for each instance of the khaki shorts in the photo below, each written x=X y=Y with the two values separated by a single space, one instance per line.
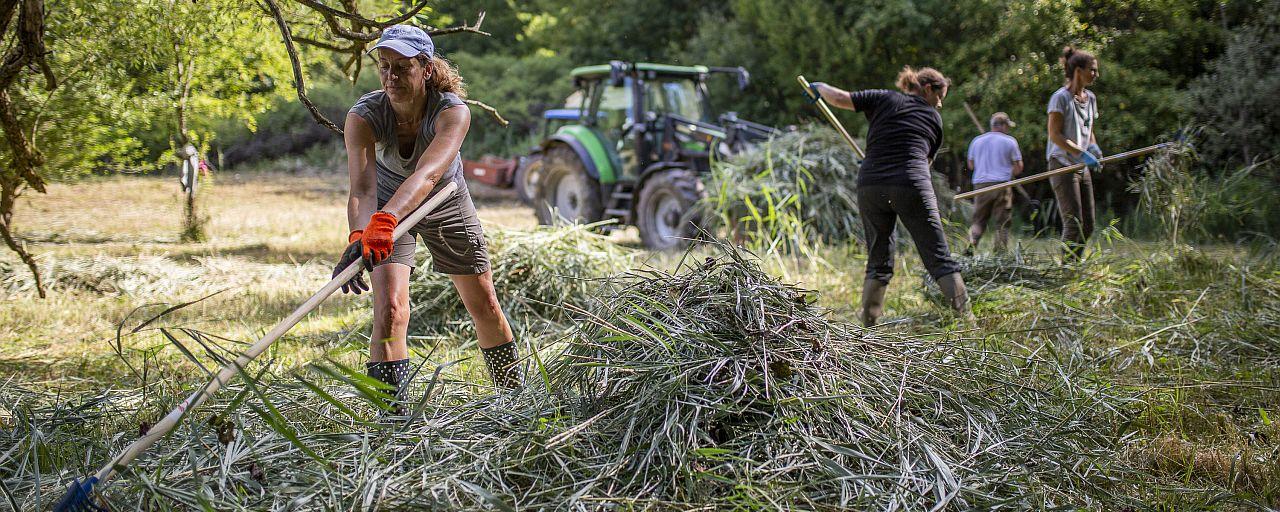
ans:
x=452 y=234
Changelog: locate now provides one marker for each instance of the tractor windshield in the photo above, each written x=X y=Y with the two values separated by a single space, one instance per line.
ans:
x=677 y=96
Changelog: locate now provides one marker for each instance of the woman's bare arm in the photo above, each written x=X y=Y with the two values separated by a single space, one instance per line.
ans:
x=836 y=96
x=451 y=130
x=362 y=165
x=1055 y=135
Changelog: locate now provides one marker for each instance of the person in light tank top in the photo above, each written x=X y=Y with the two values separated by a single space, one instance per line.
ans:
x=1073 y=139
x=402 y=143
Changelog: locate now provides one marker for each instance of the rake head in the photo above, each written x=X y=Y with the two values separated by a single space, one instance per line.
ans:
x=78 y=497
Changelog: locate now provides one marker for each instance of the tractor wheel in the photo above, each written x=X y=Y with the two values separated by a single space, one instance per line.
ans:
x=565 y=190
x=667 y=213
x=526 y=179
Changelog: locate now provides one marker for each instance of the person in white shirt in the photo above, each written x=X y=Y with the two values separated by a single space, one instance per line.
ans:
x=994 y=158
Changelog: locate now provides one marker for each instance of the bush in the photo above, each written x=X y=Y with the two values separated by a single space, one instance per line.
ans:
x=1185 y=201
x=1239 y=97
x=534 y=273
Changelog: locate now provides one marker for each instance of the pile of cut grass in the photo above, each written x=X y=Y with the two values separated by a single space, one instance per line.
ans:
x=1215 y=310
x=534 y=272
x=715 y=384
x=1022 y=269
x=792 y=191
x=100 y=275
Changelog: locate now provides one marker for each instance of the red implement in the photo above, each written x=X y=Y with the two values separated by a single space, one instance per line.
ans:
x=491 y=170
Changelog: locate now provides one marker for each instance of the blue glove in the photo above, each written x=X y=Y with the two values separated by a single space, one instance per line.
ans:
x=1089 y=161
x=816 y=94
x=1094 y=150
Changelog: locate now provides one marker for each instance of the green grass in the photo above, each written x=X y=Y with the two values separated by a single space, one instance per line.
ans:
x=1185 y=338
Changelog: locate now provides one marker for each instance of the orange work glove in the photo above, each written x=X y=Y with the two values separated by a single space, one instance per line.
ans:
x=378 y=236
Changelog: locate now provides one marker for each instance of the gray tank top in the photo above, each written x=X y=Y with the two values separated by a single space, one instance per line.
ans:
x=375 y=108
x=1077 y=121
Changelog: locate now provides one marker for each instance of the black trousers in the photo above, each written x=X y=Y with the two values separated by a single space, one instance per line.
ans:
x=881 y=206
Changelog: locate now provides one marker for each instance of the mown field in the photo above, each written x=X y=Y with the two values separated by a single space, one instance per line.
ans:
x=1149 y=375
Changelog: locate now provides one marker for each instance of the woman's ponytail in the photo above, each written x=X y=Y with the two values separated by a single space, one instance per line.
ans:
x=915 y=81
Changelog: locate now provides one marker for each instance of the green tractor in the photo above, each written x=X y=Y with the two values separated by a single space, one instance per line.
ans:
x=644 y=135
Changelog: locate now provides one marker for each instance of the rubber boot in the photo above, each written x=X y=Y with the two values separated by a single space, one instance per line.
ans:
x=952 y=286
x=502 y=361
x=394 y=374
x=872 y=301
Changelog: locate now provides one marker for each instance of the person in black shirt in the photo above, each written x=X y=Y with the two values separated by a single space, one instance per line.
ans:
x=894 y=182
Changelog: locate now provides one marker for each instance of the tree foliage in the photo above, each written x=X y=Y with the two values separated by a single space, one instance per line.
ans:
x=24 y=51
x=137 y=78
x=1239 y=97
x=1001 y=55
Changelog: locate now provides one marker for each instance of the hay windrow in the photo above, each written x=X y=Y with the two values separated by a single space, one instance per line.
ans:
x=1209 y=309
x=712 y=384
x=151 y=276
x=1026 y=270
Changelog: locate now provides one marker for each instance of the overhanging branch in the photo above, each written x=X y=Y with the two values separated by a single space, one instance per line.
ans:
x=298 y=82
x=314 y=4
x=492 y=111
x=350 y=35
x=475 y=29
x=27 y=51
x=321 y=44
x=359 y=39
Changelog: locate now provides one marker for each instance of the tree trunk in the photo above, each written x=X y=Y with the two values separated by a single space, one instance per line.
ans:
x=8 y=196
x=192 y=224
x=27 y=51
x=192 y=227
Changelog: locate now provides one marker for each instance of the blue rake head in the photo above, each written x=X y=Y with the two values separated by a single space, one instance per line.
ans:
x=79 y=497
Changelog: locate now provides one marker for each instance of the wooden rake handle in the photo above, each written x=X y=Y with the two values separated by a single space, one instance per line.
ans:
x=224 y=376
x=1063 y=170
x=831 y=117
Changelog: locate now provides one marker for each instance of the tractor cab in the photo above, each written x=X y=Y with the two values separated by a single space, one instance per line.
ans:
x=628 y=106
x=644 y=135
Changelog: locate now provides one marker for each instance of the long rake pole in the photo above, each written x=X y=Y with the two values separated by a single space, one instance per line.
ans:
x=230 y=370
x=1063 y=170
x=831 y=117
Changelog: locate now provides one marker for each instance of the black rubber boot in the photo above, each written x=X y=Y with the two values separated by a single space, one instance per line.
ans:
x=394 y=374
x=502 y=362
x=872 y=301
